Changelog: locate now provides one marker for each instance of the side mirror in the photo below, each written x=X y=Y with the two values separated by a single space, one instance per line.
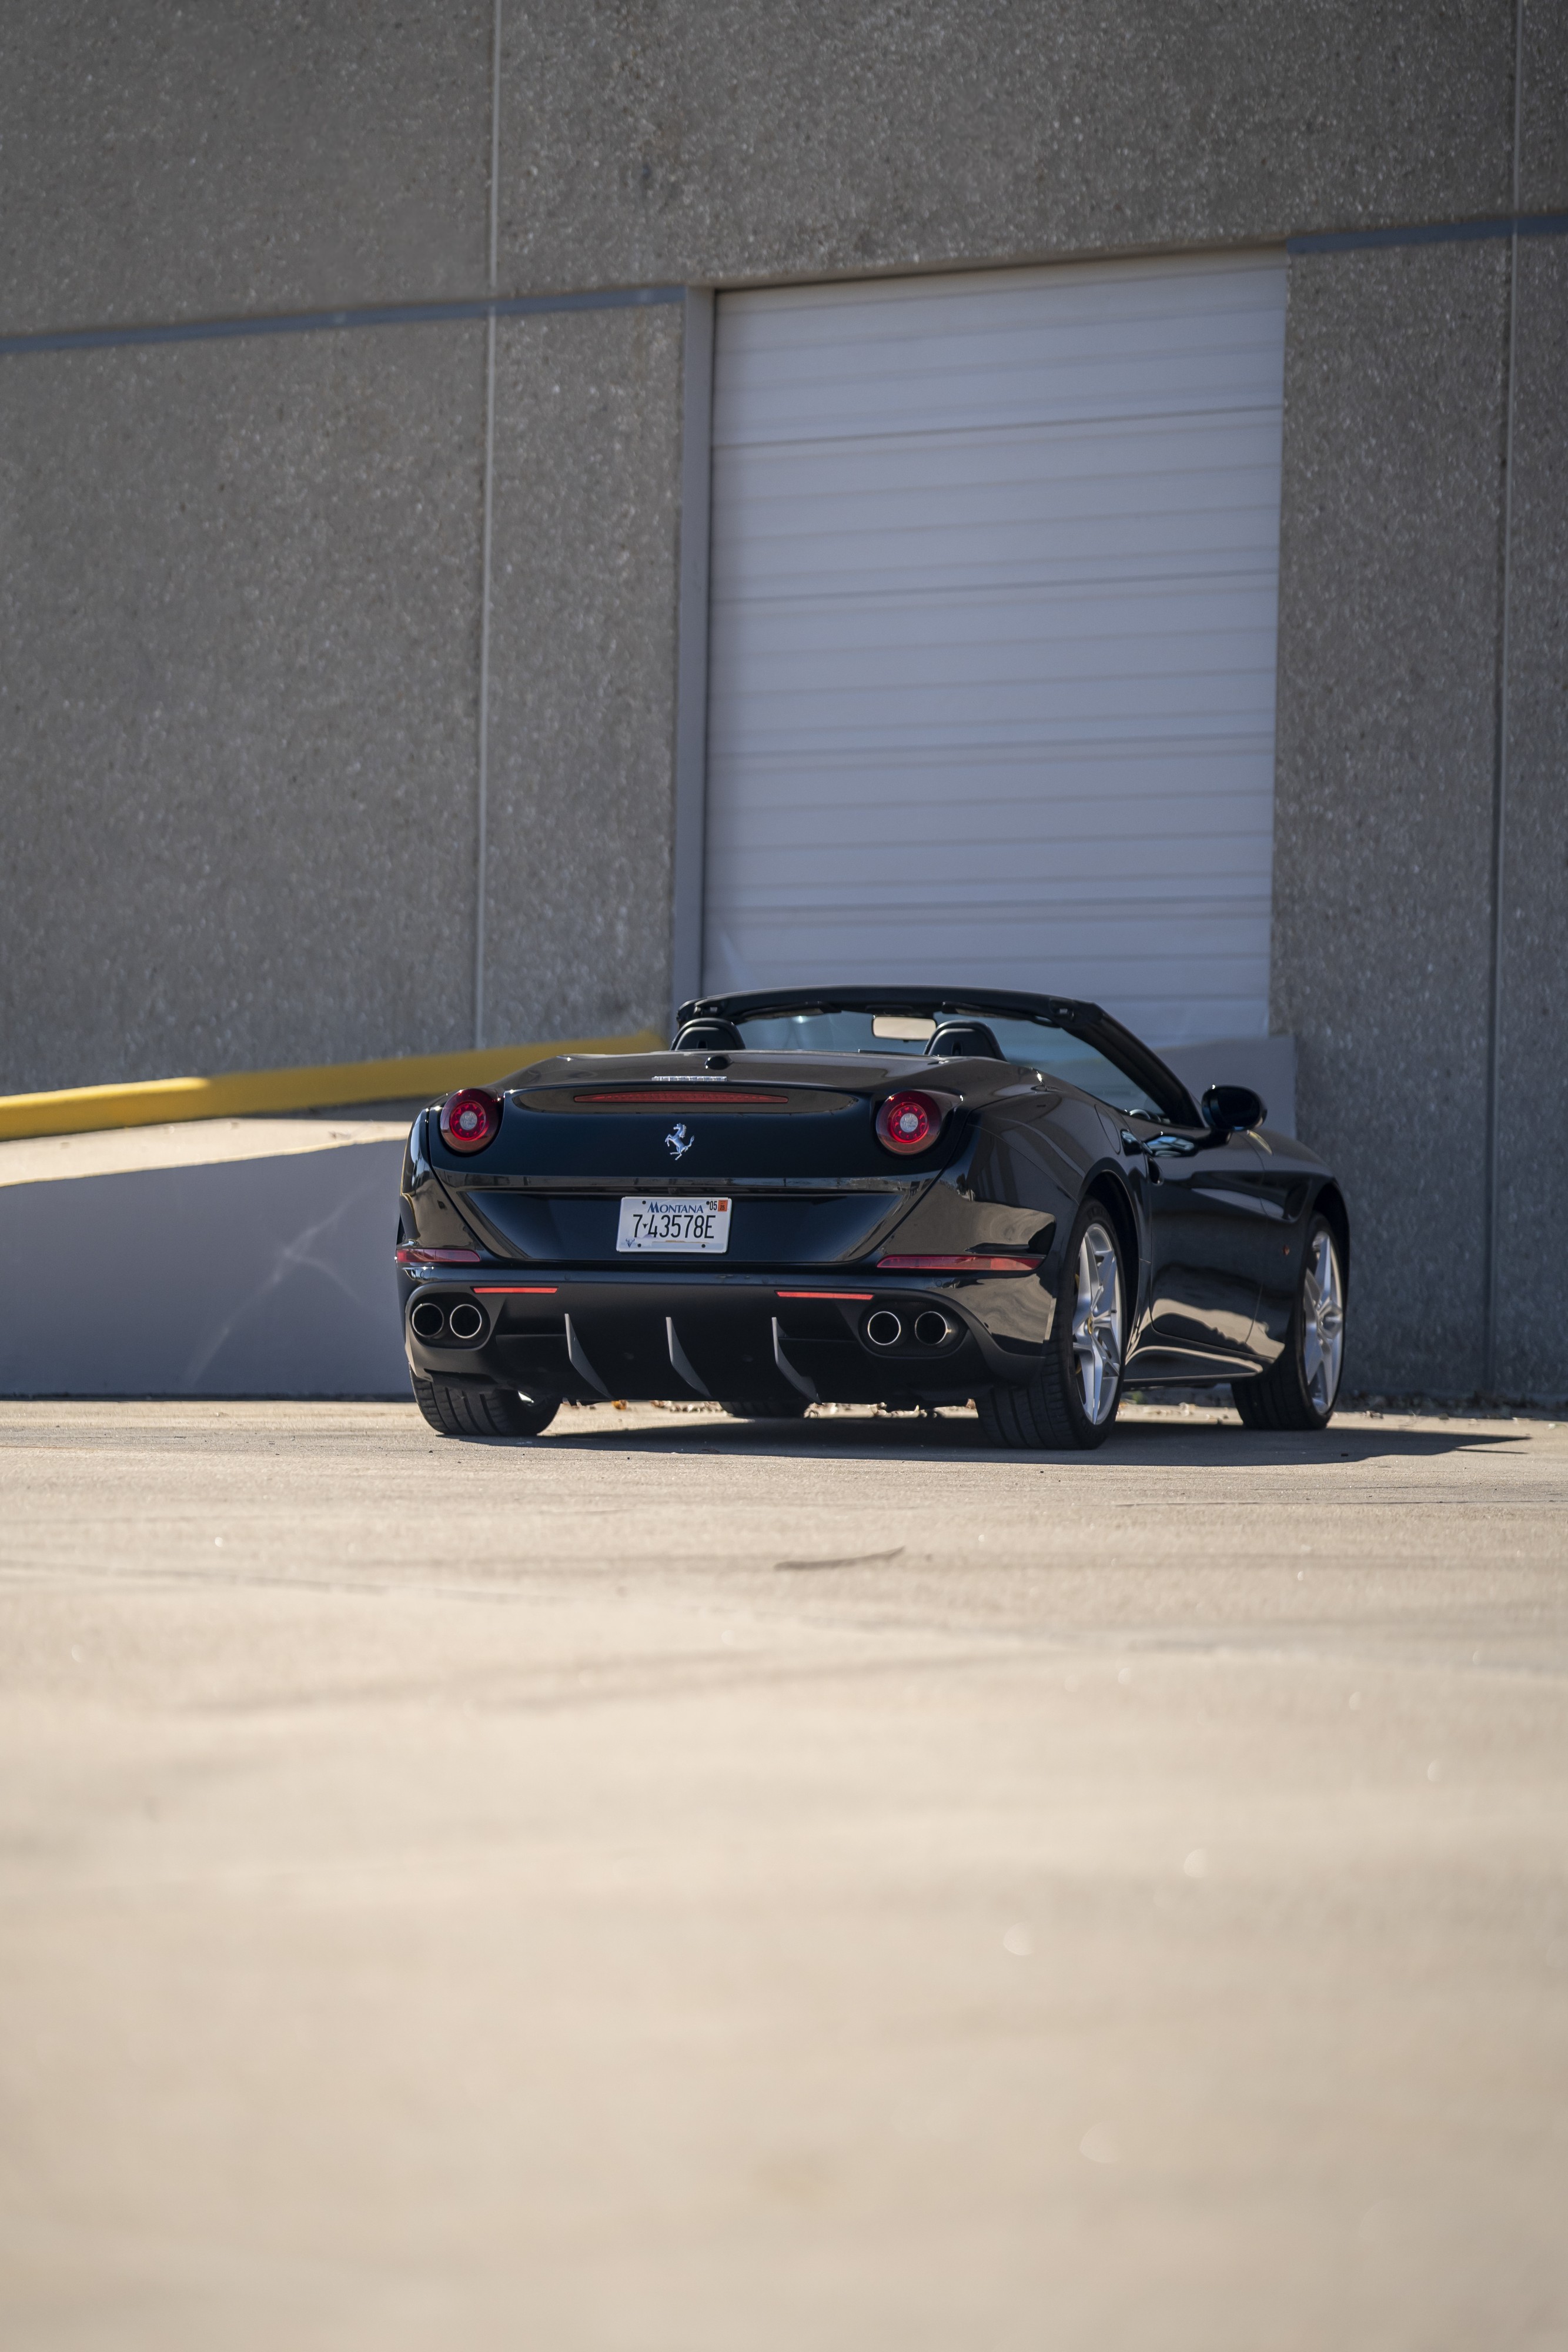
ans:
x=1228 y=1109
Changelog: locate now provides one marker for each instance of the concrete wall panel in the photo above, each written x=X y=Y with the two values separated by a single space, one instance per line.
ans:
x=582 y=673
x=1533 y=1222
x=1543 y=114
x=1387 y=700
x=159 y=161
x=240 y=607
x=648 y=140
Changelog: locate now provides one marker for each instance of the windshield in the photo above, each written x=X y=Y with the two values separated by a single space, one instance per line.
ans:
x=1034 y=1045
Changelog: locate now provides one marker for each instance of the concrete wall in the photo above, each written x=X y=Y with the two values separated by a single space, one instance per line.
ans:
x=165 y=161
x=239 y=603
x=1389 y=601
x=1421 y=796
x=582 y=705
x=736 y=139
x=241 y=585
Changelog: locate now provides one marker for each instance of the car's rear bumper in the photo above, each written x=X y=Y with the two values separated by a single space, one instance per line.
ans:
x=587 y=1333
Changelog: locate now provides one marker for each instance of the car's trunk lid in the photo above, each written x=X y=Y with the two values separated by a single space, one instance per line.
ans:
x=788 y=1140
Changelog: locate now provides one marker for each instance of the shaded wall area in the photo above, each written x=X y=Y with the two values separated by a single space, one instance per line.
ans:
x=1393 y=917
x=1389 y=601
x=1531 y=1306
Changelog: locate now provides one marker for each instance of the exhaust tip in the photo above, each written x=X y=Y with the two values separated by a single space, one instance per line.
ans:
x=884 y=1329
x=465 y=1320
x=427 y=1319
x=932 y=1328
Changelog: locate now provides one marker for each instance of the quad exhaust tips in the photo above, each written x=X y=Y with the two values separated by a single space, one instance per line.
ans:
x=462 y=1321
x=931 y=1328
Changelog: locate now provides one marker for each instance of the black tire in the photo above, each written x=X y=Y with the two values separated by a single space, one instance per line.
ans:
x=482 y=1412
x=1282 y=1398
x=795 y=1410
x=1048 y=1411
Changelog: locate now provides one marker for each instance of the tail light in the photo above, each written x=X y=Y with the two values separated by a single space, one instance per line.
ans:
x=469 y=1119
x=908 y=1122
x=960 y=1262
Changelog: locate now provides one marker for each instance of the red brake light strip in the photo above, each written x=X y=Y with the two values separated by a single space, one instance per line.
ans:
x=824 y=1294
x=714 y=1096
x=514 y=1290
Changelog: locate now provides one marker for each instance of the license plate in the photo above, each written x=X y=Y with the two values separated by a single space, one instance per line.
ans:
x=680 y=1225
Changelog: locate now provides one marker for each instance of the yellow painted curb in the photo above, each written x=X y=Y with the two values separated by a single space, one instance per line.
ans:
x=152 y=1102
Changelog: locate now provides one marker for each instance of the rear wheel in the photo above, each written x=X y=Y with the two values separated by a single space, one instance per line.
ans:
x=1298 y=1391
x=482 y=1412
x=1072 y=1399
x=795 y=1410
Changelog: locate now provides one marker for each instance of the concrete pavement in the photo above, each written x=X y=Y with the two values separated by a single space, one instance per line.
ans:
x=679 y=1886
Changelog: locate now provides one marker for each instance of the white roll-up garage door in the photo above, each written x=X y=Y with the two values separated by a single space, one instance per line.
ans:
x=995 y=570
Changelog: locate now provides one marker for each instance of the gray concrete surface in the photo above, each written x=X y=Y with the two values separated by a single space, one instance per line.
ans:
x=165 y=162
x=582 y=674
x=1385 y=751
x=240 y=607
x=760 y=137
x=680 y=1887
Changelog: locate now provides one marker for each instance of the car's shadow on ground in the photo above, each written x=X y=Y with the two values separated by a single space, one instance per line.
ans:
x=1227 y=1446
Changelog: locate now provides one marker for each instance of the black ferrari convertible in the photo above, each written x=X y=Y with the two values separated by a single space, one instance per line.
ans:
x=897 y=1196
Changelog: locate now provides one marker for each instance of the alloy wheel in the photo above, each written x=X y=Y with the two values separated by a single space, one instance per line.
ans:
x=1097 y=1324
x=1323 y=1321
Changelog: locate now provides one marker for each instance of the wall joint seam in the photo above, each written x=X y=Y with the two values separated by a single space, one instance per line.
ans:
x=315 y=322
x=482 y=791
x=1511 y=226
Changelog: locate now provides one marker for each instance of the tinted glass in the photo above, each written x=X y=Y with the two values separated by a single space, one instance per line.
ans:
x=825 y=1033
x=1036 y=1044
x=1059 y=1055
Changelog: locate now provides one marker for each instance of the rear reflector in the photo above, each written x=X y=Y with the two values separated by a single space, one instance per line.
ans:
x=439 y=1257
x=859 y=1294
x=715 y=1098
x=514 y=1290
x=965 y=1262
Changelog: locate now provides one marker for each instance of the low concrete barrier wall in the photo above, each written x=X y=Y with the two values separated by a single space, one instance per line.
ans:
x=255 y=1259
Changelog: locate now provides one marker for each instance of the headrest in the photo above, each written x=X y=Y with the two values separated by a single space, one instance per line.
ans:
x=965 y=1038
x=706 y=1035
